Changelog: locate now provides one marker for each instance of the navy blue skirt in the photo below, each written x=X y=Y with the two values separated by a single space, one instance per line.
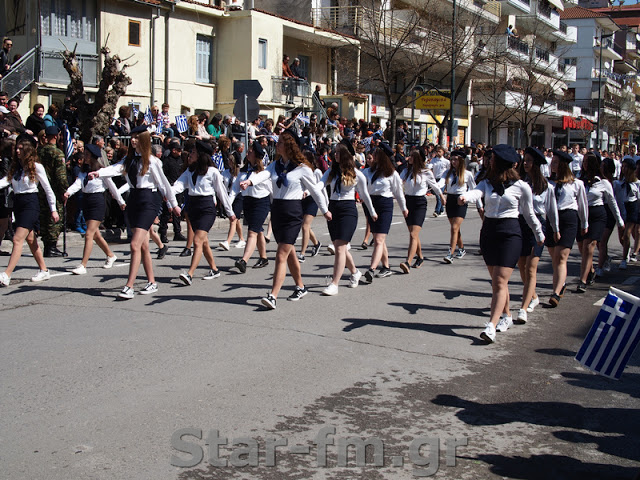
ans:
x=286 y=220
x=529 y=243
x=309 y=206
x=26 y=208
x=255 y=212
x=453 y=209
x=568 y=220
x=384 y=209
x=93 y=206
x=202 y=212
x=344 y=219
x=597 y=224
x=501 y=242
x=611 y=218
x=142 y=208
x=632 y=212
x=237 y=206
x=417 y=206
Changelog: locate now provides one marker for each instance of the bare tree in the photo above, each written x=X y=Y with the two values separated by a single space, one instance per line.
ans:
x=95 y=118
x=621 y=120
x=409 y=46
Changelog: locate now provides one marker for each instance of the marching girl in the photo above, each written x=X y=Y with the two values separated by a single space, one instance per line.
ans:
x=367 y=233
x=229 y=175
x=309 y=211
x=505 y=197
x=544 y=205
x=627 y=194
x=573 y=214
x=24 y=175
x=204 y=181
x=599 y=192
x=384 y=184
x=290 y=176
x=457 y=181
x=344 y=180
x=256 y=204
x=93 y=206
x=417 y=179
x=607 y=170
x=144 y=175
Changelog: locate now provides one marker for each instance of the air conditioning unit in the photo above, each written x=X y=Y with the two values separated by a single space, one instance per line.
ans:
x=235 y=4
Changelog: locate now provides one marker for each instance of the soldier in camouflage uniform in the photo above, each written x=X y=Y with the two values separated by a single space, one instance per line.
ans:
x=53 y=161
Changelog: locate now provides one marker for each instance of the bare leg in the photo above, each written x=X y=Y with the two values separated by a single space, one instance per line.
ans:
x=339 y=261
x=155 y=237
x=208 y=254
x=190 y=233
x=587 y=259
x=138 y=238
x=232 y=230
x=306 y=232
x=559 y=260
x=378 y=249
x=603 y=247
x=4 y=225
x=455 y=238
x=252 y=239
x=500 y=286
x=262 y=246
x=199 y=239
x=414 y=242
x=285 y=255
x=239 y=230
x=18 y=239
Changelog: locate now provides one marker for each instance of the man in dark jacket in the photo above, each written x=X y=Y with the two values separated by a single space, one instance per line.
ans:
x=35 y=121
x=172 y=167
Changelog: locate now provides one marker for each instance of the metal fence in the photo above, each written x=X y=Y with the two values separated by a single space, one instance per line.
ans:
x=285 y=90
x=21 y=75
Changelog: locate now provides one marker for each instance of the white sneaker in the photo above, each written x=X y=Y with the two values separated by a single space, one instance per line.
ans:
x=448 y=258
x=41 y=276
x=354 y=279
x=533 y=304
x=212 y=274
x=109 y=262
x=489 y=333
x=623 y=265
x=5 y=279
x=504 y=323
x=331 y=248
x=224 y=245
x=332 y=289
x=633 y=257
x=149 y=288
x=461 y=253
x=522 y=316
x=79 y=270
x=241 y=244
x=127 y=293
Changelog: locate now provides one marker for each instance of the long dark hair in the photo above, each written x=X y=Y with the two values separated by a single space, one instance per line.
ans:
x=202 y=164
x=417 y=165
x=345 y=165
x=382 y=163
x=144 y=144
x=501 y=171
x=29 y=162
x=537 y=181
x=459 y=170
x=590 y=168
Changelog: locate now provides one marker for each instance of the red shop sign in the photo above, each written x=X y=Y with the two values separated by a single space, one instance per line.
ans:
x=575 y=124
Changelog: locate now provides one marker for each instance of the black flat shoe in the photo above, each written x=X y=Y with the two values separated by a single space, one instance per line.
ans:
x=554 y=300
x=186 y=252
x=418 y=263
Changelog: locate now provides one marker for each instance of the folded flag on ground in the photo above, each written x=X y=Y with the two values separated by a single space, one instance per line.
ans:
x=613 y=336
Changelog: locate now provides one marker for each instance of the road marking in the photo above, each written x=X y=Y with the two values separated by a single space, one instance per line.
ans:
x=62 y=274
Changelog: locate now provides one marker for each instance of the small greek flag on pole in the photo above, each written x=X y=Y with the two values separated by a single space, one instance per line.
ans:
x=159 y=125
x=613 y=336
x=217 y=161
x=303 y=118
x=68 y=141
x=135 y=113
x=147 y=116
x=181 y=123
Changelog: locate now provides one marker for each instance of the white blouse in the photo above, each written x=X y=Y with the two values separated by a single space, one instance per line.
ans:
x=207 y=185
x=516 y=199
x=440 y=166
x=390 y=186
x=457 y=189
x=348 y=192
x=260 y=190
x=573 y=196
x=26 y=185
x=154 y=179
x=545 y=205
x=420 y=185
x=299 y=179
x=97 y=185
x=600 y=192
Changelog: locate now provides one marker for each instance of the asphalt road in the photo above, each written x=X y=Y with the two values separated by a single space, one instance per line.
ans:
x=94 y=387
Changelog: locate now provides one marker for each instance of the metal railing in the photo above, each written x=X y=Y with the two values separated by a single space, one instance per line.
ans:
x=563 y=27
x=562 y=68
x=286 y=90
x=22 y=74
x=565 y=106
x=52 y=69
x=518 y=45
x=542 y=54
x=544 y=9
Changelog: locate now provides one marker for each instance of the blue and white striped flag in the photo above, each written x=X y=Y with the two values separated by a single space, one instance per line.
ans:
x=68 y=141
x=217 y=161
x=135 y=113
x=613 y=336
x=147 y=116
x=181 y=123
x=159 y=125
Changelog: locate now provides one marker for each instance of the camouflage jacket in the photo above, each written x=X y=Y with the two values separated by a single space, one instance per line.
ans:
x=53 y=161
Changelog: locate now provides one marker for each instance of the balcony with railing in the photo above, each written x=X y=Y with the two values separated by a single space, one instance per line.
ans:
x=607 y=48
x=567 y=72
x=517 y=46
x=548 y=14
x=292 y=91
x=22 y=74
x=515 y=7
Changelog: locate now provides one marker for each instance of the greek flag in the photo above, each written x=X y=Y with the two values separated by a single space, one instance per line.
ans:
x=217 y=161
x=68 y=141
x=135 y=113
x=148 y=117
x=613 y=336
x=303 y=118
x=181 y=123
x=159 y=125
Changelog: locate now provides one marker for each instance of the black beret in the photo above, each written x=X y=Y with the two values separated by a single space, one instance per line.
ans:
x=93 y=150
x=258 y=150
x=609 y=165
x=386 y=148
x=293 y=134
x=459 y=153
x=537 y=155
x=52 y=130
x=23 y=137
x=349 y=146
x=506 y=153
x=138 y=129
x=563 y=156
x=204 y=147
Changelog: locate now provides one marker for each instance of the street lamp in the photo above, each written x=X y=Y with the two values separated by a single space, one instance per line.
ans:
x=608 y=35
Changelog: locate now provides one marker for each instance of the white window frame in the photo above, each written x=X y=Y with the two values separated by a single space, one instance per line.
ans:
x=263 y=56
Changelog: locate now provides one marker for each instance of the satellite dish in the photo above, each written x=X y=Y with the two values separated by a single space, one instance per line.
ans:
x=607 y=65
